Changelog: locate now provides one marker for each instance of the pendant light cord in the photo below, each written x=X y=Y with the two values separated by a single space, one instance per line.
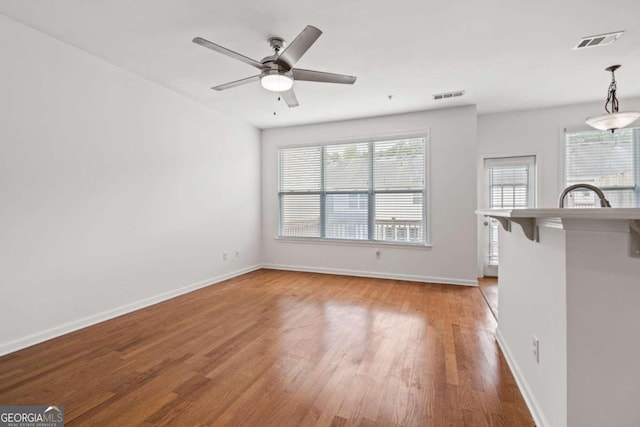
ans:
x=611 y=97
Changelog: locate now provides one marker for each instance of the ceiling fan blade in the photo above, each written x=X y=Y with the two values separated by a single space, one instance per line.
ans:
x=320 y=76
x=225 y=51
x=289 y=97
x=236 y=83
x=298 y=47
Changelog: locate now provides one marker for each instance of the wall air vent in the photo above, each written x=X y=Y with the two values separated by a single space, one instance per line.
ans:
x=599 y=40
x=448 y=95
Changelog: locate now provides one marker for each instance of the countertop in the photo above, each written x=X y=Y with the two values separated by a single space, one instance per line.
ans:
x=569 y=213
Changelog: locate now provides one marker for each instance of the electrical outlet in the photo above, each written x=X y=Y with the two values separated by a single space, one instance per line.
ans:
x=535 y=348
x=225 y=256
x=378 y=253
x=237 y=253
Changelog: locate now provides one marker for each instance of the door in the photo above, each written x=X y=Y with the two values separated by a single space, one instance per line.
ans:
x=509 y=183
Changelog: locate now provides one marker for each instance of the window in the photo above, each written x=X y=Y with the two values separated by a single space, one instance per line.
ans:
x=510 y=183
x=610 y=161
x=369 y=191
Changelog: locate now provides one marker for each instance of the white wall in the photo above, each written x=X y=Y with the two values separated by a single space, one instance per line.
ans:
x=452 y=134
x=114 y=192
x=532 y=301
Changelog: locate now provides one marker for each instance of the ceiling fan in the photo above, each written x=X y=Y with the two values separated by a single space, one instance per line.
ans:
x=276 y=71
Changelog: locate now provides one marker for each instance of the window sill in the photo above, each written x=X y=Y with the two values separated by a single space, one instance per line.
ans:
x=353 y=242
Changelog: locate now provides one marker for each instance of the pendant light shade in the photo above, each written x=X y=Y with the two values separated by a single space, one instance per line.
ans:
x=613 y=119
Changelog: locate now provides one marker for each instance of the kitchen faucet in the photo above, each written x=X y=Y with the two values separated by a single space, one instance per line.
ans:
x=604 y=203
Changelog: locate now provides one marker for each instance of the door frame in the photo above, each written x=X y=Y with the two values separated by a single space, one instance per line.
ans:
x=521 y=159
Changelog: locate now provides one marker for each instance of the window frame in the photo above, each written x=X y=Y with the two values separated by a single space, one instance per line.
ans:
x=426 y=200
x=562 y=167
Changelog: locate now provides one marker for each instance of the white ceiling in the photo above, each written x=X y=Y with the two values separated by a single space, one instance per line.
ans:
x=506 y=54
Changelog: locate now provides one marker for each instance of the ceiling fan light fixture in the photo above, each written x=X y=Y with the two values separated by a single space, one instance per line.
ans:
x=276 y=82
x=613 y=119
x=277 y=71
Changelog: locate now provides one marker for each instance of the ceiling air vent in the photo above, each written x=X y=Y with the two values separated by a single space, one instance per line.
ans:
x=448 y=95
x=599 y=40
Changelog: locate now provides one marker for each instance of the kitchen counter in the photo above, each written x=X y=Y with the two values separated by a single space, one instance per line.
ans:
x=570 y=279
x=596 y=213
x=598 y=219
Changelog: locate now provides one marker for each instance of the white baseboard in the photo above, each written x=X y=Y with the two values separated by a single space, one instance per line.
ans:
x=66 y=328
x=523 y=385
x=373 y=274
x=57 y=331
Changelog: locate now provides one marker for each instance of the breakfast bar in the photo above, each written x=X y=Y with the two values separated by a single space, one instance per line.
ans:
x=569 y=319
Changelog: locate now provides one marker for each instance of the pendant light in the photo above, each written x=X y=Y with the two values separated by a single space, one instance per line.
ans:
x=613 y=119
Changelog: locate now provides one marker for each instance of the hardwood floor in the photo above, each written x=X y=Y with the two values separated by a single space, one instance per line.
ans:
x=283 y=349
x=489 y=288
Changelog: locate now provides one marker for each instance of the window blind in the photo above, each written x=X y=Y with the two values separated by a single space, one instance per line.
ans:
x=399 y=173
x=373 y=190
x=509 y=186
x=300 y=173
x=346 y=183
x=610 y=161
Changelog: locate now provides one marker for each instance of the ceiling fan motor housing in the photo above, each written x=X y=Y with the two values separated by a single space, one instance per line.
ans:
x=276 y=71
x=280 y=79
